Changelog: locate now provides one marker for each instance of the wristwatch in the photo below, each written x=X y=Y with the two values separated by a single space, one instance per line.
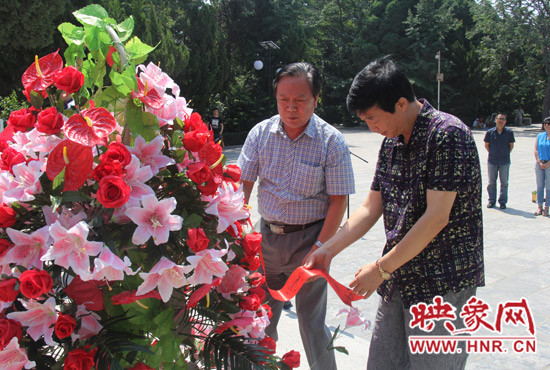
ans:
x=383 y=274
x=318 y=244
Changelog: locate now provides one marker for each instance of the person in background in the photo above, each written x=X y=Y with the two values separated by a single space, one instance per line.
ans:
x=216 y=125
x=427 y=187
x=304 y=172
x=542 y=168
x=499 y=142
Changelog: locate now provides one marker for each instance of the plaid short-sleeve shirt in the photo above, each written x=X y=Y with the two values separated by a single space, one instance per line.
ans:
x=441 y=155
x=296 y=177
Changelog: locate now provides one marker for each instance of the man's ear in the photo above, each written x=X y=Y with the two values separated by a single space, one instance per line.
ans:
x=401 y=104
x=316 y=98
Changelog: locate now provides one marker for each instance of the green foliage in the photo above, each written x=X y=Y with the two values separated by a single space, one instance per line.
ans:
x=9 y=104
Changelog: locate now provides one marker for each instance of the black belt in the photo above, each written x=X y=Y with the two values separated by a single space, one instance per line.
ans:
x=286 y=229
x=544 y=161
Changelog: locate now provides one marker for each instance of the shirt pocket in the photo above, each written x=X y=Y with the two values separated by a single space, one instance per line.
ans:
x=307 y=180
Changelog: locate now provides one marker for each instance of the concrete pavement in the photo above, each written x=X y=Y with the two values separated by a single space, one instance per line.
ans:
x=517 y=260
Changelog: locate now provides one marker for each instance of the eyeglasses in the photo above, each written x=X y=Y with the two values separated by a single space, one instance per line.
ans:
x=547 y=123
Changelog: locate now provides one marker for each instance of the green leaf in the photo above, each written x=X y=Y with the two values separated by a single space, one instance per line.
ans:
x=73 y=53
x=75 y=196
x=340 y=349
x=138 y=50
x=125 y=28
x=59 y=181
x=141 y=123
x=194 y=220
x=177 y=139
x=56 y=201
x=71 y=33
x=124 y=82
x=108 y=98
x=36 y=100
x=179 y=123
x=92 y=14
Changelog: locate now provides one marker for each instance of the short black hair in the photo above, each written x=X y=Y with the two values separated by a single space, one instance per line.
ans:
x=301 y=69
x=381 y=83
x=546 y=121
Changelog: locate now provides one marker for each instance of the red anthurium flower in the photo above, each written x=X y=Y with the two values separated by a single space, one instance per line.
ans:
x=75 y=158
x=211 y=153
x=91 y=127
x=40 y=74
x=194 y=122
x=87 y=293
x=109 y=58
x=130 y=296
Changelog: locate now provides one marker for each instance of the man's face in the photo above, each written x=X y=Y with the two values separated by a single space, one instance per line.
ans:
x=500 y=121
x=381 y=122
x=295 y=101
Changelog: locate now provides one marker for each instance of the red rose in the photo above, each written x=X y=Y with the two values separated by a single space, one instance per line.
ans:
x=268 y=311
x=256 y=279
x=232 y=173
x=21 y=120
x=110 y=168
x=199 y=173
x=79 y=359
x=49 y=121
x=292 y=359
x=7 y=216
x=113 y=192
x=197 y=240
x=117 y=152
x=69 y=79
x=269 y=343
x=195 y=140
x=8 y=330
x=251 y=262
x=7 y=290
x=64 y=326
x=141 y=366
x=5 y=245
x=250 y=302
x=34 y=283
x=260 y=292
x=9 y=158
x=194 y=122
x=252 y=243
x=86 y=293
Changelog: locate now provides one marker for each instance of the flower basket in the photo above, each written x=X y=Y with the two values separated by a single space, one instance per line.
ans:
x=121 y=228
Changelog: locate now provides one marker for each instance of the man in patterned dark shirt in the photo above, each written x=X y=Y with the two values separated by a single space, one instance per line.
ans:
x=427 y=187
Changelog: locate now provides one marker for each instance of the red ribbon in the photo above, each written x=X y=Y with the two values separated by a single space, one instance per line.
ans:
x=299 y=277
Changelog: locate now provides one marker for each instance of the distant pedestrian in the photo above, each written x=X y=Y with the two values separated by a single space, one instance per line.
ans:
x=216 y=125
x=542 y=168
x=499 y=142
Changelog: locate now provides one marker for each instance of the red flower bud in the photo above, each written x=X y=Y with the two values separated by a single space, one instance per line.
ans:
x=250 y=302
x=195 y=140
x=260 y=292
x=7 y=216
x=21 y=120
x=252 y=243
x=35 y=283
x=8 y=293
x=8 y=330
x=49 y=121
x=64 y=326
x=117 y=152
x=113 y=192
x=269 y=343
x=232 y=173
x=197 y=240
x=79 y=359
x=69 y=79
x=292 y=359
x=110 y=168
x=199 y=173
x=256 y=279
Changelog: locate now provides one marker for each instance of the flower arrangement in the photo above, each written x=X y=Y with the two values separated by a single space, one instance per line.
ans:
x=122 y=242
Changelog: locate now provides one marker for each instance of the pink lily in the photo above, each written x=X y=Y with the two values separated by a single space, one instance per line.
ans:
x=207 y=264
x=228 y=205
x=13 y=357
x=156 y=78
x=233 y=281
x=136 y=177
x=28 y=249
x=39 y=317
x=90 y=325
x=165 y=276
x=26 y=182
x=66 y=218
x=254 y=328
x=110 y=267
x=167 y=112
x=154 y=219
x=183 y=110
x=150 y=153
x=71 y=248
x=353 y=317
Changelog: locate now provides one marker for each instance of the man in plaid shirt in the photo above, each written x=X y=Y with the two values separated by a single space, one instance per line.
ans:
x=304 y=175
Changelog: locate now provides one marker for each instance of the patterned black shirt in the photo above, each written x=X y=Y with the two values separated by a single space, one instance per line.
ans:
x=441 y=155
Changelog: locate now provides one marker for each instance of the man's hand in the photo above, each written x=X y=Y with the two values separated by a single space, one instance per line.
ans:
x=317 y=258
x=366 y=281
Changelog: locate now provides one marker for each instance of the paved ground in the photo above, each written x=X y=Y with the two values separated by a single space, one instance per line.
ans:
x=516 y=259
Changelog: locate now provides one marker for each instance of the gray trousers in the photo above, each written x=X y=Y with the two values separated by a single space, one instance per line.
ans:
x=389 y=347
x=282 y=254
